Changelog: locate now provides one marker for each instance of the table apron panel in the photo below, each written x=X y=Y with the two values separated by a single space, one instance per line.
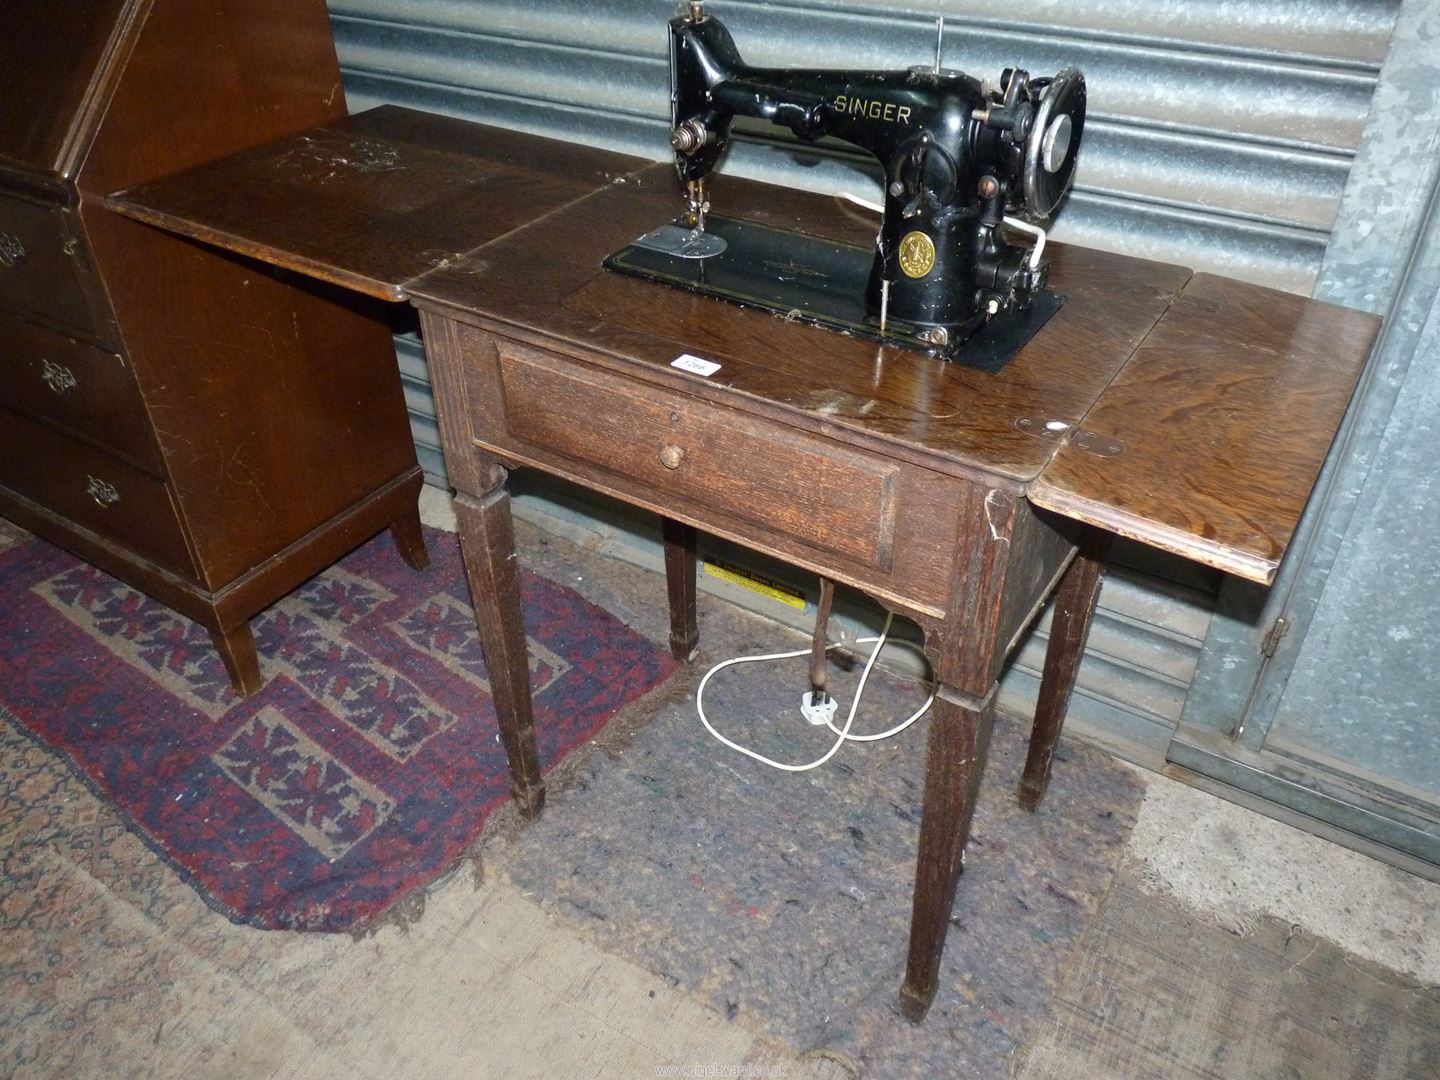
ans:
x=886 y=526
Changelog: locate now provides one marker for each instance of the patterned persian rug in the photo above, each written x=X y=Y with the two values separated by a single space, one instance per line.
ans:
x=784 y=900
x=362 y=770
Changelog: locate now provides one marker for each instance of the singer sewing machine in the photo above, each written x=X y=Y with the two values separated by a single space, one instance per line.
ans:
x=963 y=160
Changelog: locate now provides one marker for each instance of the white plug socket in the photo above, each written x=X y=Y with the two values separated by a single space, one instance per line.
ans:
x=818 y=714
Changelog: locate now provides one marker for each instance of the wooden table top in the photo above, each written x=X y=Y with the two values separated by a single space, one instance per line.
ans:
x=1196 y=412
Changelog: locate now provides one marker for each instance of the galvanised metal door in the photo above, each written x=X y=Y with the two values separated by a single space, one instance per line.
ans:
x=1323 y=696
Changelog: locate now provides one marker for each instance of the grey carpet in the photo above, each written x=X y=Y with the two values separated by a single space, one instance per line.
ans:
x=784 y=900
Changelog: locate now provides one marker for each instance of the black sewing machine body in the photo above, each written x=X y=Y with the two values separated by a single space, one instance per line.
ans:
x=958 y=157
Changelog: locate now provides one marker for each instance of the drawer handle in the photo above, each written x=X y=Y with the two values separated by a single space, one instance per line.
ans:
x=58 y=377
x=12 y=251
x=671 y=456
x=103 y=493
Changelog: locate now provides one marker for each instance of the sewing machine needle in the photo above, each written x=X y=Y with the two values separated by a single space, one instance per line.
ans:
x=884 y=303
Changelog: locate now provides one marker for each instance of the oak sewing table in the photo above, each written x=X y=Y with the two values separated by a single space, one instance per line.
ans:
x=1187 y=411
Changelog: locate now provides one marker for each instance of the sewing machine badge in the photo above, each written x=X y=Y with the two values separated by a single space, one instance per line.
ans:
x=962 y=160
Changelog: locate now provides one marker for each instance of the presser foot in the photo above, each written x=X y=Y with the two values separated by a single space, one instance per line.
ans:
x=681 y=242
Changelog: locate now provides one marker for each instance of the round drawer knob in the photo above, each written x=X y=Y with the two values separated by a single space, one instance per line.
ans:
x=671 y=456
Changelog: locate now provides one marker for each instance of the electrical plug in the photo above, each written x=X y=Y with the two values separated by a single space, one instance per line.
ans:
x=818 y=707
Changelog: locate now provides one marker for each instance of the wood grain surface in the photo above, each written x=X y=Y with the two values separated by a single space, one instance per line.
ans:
x=98 y=492
x=763 y=473
x=377 y=199
x=275 y=407
x=51 y=282
x=903 y=403
x=225 y=75
x=893 y=537
x=90 y=392
x=1075 y=602
x=1224 y=417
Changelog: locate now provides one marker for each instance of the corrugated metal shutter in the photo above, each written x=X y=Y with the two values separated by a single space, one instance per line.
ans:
x=1221 y=136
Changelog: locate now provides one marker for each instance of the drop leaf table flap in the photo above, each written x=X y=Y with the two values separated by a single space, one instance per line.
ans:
x=376 y=199
x=1209 y=441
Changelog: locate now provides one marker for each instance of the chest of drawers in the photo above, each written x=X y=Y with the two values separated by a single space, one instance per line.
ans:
x=206 y=430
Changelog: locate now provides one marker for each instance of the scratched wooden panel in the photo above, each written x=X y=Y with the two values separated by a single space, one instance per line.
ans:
x=912 y=515
x=374 y=200
x=1225 y=415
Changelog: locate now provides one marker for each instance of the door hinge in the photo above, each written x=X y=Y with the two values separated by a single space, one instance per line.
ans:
x=1278 y=630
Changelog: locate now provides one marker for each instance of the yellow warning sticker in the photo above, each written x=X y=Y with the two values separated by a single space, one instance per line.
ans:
x=764 y=586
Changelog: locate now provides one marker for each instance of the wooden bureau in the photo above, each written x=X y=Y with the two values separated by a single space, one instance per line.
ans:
x=206 y=430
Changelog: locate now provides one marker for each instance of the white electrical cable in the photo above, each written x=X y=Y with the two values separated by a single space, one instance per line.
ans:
x=843 y=734
x=1033 y=230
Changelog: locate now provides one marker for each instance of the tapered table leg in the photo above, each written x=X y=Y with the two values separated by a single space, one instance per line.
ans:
x=410 y=539
x=959 y=743
x=819 y=653
x=487 y=541
x=680 y=583
x=1074 y=611
x=236 y=647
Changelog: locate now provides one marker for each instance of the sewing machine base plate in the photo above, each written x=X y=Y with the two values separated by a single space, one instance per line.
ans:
x=811 y=280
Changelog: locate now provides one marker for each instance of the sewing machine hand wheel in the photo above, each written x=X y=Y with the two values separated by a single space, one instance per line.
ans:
x=1053 y=143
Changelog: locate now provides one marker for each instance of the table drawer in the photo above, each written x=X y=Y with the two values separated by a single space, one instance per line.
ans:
x=86 y=389
x=804 y=486
x=92 y=489
x=44 y=267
